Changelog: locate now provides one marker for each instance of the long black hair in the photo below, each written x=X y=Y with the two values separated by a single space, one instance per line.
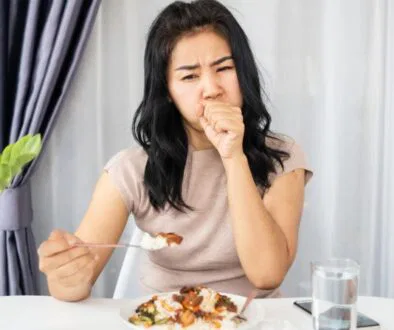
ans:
x=157 y=124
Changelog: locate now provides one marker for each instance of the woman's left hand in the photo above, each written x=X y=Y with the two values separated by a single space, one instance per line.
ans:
x=224 y=127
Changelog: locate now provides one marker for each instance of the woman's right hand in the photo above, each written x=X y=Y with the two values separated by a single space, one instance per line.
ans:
x=69 y=269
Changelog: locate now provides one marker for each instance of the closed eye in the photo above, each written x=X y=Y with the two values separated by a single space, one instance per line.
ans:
x=189 y=77
x=224 y=68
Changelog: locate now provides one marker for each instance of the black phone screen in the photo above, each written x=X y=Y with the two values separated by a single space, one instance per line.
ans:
x=363 y=321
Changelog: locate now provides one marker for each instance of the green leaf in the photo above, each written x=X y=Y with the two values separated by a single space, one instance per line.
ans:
x=33 y=146
x=16 y=156
x=22 y=160
x=18 y=147
x=25 y=150
x=6 y=154
x=5 y=176
x=15 y=170
x=2 y=186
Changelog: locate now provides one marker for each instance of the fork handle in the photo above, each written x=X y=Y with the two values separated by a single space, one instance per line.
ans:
x=107 y=245
x=251 y=296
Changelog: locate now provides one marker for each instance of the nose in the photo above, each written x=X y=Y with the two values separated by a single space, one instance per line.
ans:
x=211 y=89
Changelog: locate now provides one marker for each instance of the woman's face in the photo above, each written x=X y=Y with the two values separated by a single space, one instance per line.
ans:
x=201 y=68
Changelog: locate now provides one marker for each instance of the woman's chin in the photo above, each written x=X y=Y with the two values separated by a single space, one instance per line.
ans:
x=194 y=126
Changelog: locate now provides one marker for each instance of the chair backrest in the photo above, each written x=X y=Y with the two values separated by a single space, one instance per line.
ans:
x=127 y=285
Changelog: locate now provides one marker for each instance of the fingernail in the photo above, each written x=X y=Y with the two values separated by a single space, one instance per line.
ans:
x=72 y=242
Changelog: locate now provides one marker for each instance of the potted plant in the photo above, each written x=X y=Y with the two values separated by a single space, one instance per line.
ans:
x=15 y=156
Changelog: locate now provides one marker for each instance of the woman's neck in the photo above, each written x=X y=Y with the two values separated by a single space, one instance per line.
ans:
x=197 y=138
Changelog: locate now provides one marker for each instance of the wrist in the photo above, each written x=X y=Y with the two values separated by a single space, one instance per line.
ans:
x=235 y=161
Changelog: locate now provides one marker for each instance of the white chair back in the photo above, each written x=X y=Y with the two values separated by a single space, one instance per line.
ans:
x=127 y=285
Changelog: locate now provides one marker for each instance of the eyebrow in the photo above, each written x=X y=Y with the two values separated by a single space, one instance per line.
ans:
x=195 y=66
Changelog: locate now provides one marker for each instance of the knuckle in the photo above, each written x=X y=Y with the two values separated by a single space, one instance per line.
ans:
x=41 y=248
x=42 y=266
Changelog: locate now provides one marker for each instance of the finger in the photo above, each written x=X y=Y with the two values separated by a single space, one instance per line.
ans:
x=216 y=116
x=72 y=267
x=237 y=109
x=57 y=242
x=71 y=239
x=204 y=123
x=199 y=110
x=208 y=129
x=226 y=125
x=220 y=105
x=51 y=247
x=210 y=103
x=84 y=275
x=56 y=234
x=51 y=263
x=221 y=110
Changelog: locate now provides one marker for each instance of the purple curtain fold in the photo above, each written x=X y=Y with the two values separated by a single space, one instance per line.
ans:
x=41 y=42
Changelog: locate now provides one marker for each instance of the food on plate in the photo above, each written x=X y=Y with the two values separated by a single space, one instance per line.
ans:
x=159 y=241
x=192 y=308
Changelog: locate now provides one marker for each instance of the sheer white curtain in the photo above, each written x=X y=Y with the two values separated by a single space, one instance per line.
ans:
x=328 y=67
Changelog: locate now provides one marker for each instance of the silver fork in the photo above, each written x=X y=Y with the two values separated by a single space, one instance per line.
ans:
x=106 y=245
x=118 y=245
x=240 y=317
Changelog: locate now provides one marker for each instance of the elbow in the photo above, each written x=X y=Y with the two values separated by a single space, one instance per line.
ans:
x=269 y=281
x=270 y=275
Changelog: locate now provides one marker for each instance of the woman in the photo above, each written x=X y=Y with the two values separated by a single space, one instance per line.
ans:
x=208 y=168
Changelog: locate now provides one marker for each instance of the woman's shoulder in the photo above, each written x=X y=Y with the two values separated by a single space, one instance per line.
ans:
x=129 y=159
x=126 y=170
x=281 y=142
x=297 y=158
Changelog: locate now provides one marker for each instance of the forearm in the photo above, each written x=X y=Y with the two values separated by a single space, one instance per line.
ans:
x=260 y=243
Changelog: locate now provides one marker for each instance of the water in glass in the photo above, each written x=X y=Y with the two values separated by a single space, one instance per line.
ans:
x=334 y=294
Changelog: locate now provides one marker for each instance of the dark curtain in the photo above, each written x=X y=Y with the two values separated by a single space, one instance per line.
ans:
x=41 y=42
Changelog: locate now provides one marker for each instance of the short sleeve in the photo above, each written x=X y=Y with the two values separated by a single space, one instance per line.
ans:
x=297 y=159
x=124 y=172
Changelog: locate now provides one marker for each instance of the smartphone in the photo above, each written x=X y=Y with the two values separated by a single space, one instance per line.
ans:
x=363 y=321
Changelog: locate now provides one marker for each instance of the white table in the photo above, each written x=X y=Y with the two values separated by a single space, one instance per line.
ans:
x=46 y=313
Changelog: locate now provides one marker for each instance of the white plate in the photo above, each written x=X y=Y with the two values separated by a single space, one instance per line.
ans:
x=254 y=313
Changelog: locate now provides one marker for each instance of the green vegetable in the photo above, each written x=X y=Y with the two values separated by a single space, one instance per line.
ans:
x=162 y=321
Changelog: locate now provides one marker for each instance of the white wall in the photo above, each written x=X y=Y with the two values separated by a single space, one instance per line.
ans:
x=328 y=68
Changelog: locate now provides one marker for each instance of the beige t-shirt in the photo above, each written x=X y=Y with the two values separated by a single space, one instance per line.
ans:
x=207 y=254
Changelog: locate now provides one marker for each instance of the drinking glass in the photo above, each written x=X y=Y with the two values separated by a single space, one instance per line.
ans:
x=334 y=294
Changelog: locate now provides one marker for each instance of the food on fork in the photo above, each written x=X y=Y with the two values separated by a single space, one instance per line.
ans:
x=160 y=240
x=192 y=308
